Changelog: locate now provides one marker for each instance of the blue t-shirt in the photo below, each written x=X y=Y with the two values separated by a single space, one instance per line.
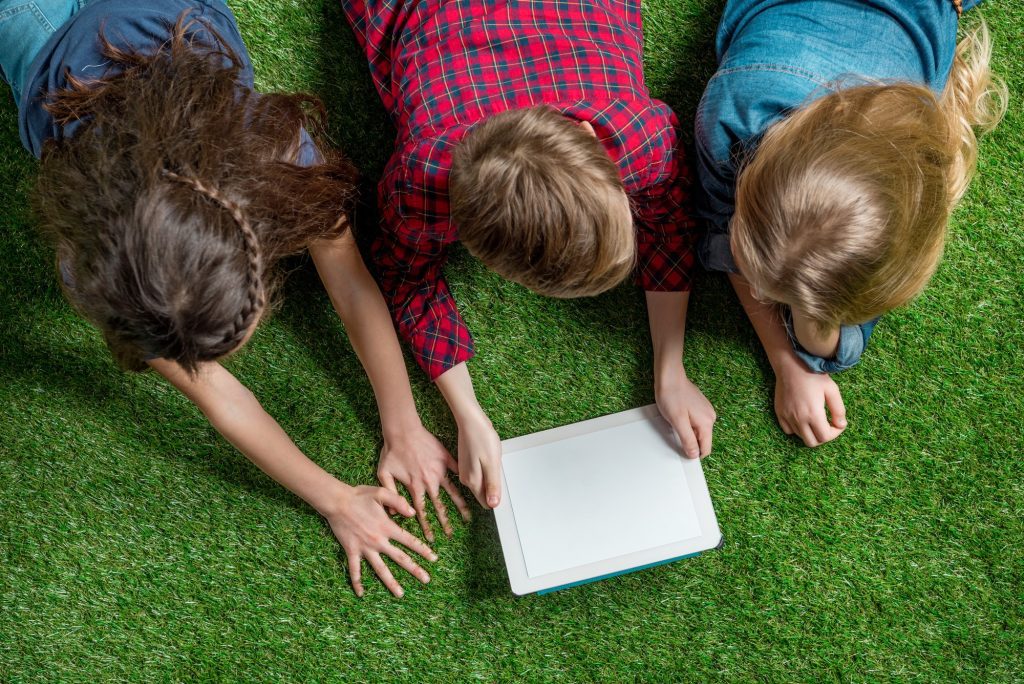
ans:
x=778 y=55
x=73 y=28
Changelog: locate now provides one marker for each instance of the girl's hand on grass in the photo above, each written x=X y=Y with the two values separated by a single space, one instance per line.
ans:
x=480 y=459
x=364 y=528
x=421 y=463
x=686 y=408
x=800 y=401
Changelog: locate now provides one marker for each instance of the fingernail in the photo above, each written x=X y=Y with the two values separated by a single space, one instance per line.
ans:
x=433 y=557
x=693 y=453
x=492 y=501
x=425 y=578
x=400 y=594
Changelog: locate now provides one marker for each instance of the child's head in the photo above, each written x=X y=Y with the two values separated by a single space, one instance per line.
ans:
x=841 y=213
x=172 y=203
x=537 y=198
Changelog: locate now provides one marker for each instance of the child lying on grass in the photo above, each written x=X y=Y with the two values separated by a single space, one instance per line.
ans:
x=833 y=143
x=525 y=130
x=170 y=190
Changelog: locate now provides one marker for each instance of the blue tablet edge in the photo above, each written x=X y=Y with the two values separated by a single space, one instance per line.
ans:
x=629 y=570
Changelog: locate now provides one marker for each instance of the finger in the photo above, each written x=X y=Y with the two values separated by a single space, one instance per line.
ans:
x=396 y=501
x=408 y=564
x=492 y=482
x=704 y=436
x=691 y=447
x=442 y=513
x=456 y=496
x=452 y=464
x=388 y=483
x=807 y=434
x=823 y=432
x=785 y=425
x=411 y=542
x=836 y=408
x=355 y=573
x=381 y=568
x=420 y=505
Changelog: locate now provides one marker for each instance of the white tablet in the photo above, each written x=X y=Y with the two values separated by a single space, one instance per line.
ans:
x=600 y=498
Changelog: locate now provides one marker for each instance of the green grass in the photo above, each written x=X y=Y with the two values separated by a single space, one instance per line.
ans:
x=137 y=544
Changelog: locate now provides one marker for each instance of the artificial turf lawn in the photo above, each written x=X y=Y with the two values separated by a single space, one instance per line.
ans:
x=135 y=543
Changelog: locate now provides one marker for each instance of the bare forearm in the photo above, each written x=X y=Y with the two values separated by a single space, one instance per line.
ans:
x=238 y=416
x=768 y=325
x=666 y=314
x=456 y=387
x=361 y=307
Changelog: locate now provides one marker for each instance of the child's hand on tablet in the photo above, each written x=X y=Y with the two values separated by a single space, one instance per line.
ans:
x=366 y=531
x=800 y=401
x=421 y=463
x=480 y=459
x=479 y=444
x=689 y=412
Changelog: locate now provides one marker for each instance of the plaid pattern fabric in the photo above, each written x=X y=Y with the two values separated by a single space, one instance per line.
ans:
x=442 y=66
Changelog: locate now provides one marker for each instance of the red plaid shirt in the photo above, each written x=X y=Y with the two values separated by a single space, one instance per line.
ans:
x=442 y=66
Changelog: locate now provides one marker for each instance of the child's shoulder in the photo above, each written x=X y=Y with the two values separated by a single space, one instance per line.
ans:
x=415 y=180
x=740 y=103
x=640 y=135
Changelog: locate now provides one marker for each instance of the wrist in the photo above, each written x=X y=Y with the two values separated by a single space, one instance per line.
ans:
x=785 y=362
x=394 y=427
x=471 y=416
x=668 y=373
x=331 y=498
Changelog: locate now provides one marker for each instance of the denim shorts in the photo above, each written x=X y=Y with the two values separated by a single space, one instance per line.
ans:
x=25 y=26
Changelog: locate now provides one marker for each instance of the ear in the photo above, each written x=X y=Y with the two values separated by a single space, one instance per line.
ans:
x=585 y=125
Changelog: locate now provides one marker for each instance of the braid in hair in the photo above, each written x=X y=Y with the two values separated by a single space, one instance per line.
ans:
x=255 y=301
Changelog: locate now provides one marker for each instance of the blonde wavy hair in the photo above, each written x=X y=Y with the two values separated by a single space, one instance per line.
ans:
x=842 y=210
x=538 y=200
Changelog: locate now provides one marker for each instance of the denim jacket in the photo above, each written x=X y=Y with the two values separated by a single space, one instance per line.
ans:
x=777 y=55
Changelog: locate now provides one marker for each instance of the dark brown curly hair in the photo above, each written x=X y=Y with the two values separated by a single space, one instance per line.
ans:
x=178 y=194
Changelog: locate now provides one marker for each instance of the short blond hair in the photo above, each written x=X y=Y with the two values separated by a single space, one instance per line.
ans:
x=842 y=210
x=537 y=199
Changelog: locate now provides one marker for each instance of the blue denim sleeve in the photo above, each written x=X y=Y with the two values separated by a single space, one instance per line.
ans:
x=853 y=340
x=716 y=178
x=308 y=155
x=738 y=105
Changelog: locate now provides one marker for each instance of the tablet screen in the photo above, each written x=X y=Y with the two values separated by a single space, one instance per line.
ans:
x=599 y=495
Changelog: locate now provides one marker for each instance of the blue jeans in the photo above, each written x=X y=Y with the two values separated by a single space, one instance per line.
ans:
x=25 y=26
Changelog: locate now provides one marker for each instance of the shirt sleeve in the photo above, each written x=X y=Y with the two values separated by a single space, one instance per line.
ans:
x=308 y=155
x=716 y=177
x=407 y=257
x=666 y=231
x=853 y=340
